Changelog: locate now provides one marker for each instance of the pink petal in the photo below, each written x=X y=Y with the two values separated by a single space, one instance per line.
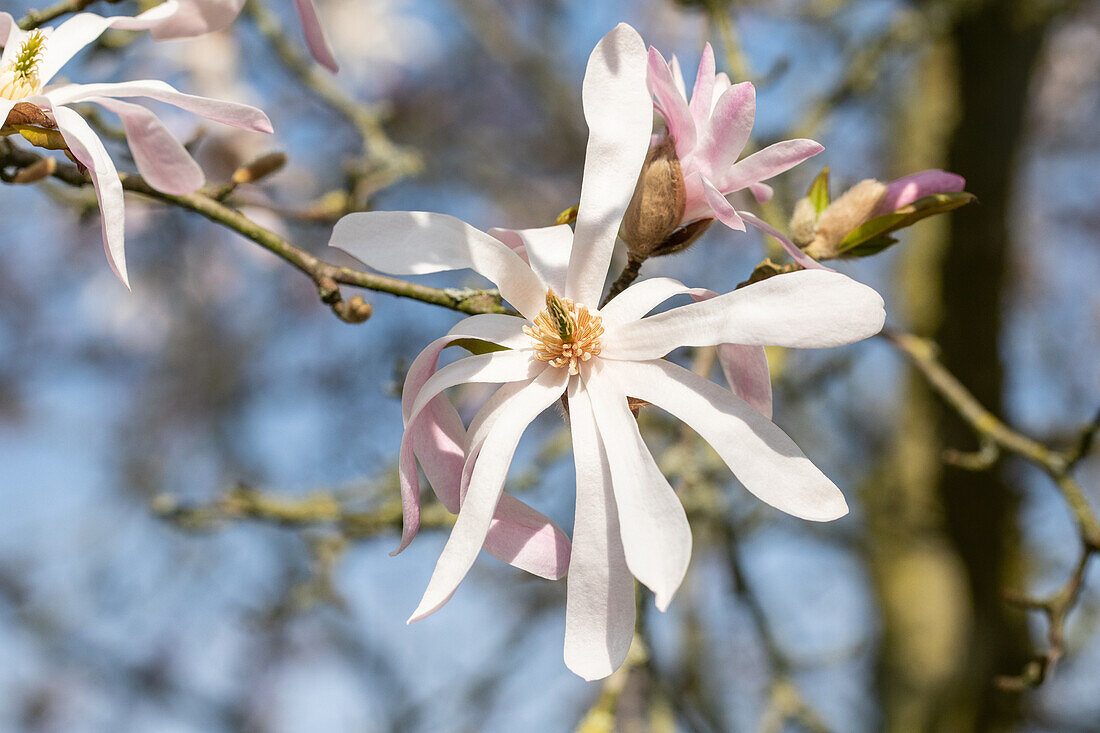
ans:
x=730 y=127
x=315 y=35
x=518 y=534
x=671 y=104
x=599 y=603
x=791 y=248
x=86 y=146
x=161 y=159
x=228 y=113
x=763 y=164
x=703 y=94
x=762 y=192
x=746 y=371
x=915 y=186
x=619 y=112
x=184 y=18
x=721 y=208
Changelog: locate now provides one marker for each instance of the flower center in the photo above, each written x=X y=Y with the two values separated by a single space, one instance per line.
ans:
x=565 y=333
x=19 y=78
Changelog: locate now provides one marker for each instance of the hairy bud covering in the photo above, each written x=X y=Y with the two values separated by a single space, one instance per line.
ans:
x=657 y=207
x=853 y=208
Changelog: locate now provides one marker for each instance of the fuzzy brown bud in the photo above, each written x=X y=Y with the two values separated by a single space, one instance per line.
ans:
x=36 y=171
x=657 y=207
x=844 y=214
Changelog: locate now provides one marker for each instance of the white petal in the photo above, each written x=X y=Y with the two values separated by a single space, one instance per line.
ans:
x=89 y=150
x=640 y=298
x=518 y=534
x=9 y=31
x=546 y=249
x=760 y=455
x=228 y=113
x=161 y=159
x=804 y=309
x=419 y=243
x=486 y=485
x=654 y=528
x=495 y=328
x=619 y=113
x=497 y=367
x=599 y=602
x=67 y=39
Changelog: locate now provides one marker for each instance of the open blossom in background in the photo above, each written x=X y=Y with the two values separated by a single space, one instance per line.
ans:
x=628 y=520
x=190 y=18
x=30 y=61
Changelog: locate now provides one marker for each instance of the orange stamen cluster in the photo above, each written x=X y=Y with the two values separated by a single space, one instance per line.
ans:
x=565 y=334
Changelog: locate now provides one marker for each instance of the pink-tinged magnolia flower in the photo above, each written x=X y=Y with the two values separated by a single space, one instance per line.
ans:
x=710 y=132
x=32 y=58
x=188 y=18
x=628 y=520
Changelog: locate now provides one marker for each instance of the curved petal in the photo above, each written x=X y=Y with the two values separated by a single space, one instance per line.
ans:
x=702 y=95
x=760 y=455
x=763 y=164
x=723 y=209
x=315 y=35
x=161 y=159
x=518 y=534
x=639 y=299
x=228 y=113
x=89 y=150
x=671 y=103
x=653 y=525
x=506 y=331
x=486 y=485
x=545 y=248
x=804 y=309
x=762 y=192
x=419 y=243
x=619 y=113
x=790 y=247
x=599 y=601
x=730 y=127
x=905 y=191
x=677 y=75
x=747 y=373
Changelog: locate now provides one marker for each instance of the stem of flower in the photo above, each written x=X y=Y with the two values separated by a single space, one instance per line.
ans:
x=628 y=275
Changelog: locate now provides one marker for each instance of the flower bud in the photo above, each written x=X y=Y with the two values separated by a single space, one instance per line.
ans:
x=853 y=208
x=259 y=168
x=803 y=221
x=657 y=207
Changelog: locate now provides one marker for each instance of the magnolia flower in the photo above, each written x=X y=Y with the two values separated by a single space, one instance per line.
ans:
x=628 y=520
x=709 y=134
x=32 y=58
x=188 y=18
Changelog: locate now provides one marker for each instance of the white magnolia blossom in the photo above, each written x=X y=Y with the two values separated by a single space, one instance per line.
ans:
x=32 y=58
x=628 y=520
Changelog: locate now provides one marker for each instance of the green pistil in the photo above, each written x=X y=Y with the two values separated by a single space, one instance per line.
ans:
x=559 y=313
x=25 y=65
